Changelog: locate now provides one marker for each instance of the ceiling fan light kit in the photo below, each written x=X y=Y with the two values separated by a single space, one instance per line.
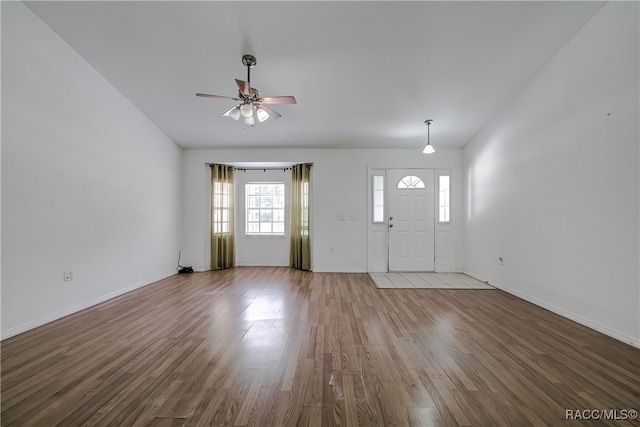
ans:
x=234 y=113
x=262 y=114
x=428 y=149
x=246 y=110
x=251 y=106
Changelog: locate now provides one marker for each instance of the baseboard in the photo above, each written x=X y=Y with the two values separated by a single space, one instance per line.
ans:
x=79 y=307
x=250 y=264
x=339 y=270
x=627 y=339
x=242 y=264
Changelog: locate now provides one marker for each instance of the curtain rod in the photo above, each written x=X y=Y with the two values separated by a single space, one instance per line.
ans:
x=284 y=169
x=262 y=169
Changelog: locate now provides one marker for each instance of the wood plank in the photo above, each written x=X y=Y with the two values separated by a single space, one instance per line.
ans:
x=273 y=346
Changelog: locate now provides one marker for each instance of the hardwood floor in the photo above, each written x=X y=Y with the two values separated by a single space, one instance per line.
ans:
x=280 y=347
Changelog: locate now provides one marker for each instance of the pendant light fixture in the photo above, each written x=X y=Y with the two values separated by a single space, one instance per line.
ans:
x=428 y=149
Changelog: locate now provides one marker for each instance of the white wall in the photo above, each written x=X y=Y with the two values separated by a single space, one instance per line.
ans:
x=552 y=183
x=89 y=184
x=339 y=188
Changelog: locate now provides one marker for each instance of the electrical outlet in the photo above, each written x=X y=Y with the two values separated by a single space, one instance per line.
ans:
x=68 y=276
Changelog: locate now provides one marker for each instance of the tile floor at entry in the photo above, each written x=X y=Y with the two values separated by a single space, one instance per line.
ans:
x=427 y=281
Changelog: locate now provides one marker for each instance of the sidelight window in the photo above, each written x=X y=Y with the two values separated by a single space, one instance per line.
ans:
x=378 y=198
x=444 y=193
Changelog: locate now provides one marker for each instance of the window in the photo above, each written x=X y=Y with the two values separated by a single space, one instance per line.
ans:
x=410 y=182
x=222 y=207
x=443 y=198
x=304 y=209
x=265 y=209
x=377 y=187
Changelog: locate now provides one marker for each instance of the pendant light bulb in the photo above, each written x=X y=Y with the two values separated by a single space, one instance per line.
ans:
x=246 y=110
x=261 y=114
x=429 y=149
x=235 y=114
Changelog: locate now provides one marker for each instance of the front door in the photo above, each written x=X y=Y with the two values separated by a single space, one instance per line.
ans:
x=411 y=219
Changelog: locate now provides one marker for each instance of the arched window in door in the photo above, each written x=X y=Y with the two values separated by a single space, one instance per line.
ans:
x=410 y=182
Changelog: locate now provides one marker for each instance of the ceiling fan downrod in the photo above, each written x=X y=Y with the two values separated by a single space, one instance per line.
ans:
x=249 y=61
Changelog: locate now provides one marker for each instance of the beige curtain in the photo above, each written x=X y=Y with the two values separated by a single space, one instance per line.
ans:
x=300 y=255
x=222 y=238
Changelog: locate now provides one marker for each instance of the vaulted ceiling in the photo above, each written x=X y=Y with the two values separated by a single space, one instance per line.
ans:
x=365 y=74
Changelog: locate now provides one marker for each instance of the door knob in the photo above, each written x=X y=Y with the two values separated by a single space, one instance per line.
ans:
x=390 y=225
x=390 y=218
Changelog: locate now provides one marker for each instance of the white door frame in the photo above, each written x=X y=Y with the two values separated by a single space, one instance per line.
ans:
x=378 y=232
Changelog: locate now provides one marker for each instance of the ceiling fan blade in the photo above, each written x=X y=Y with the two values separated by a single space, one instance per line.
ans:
x=279 y=100
x=245 y=87
x=206 y=95
x=272 y=114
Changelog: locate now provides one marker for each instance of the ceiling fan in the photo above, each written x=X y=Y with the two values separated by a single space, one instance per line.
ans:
x=252 y=105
